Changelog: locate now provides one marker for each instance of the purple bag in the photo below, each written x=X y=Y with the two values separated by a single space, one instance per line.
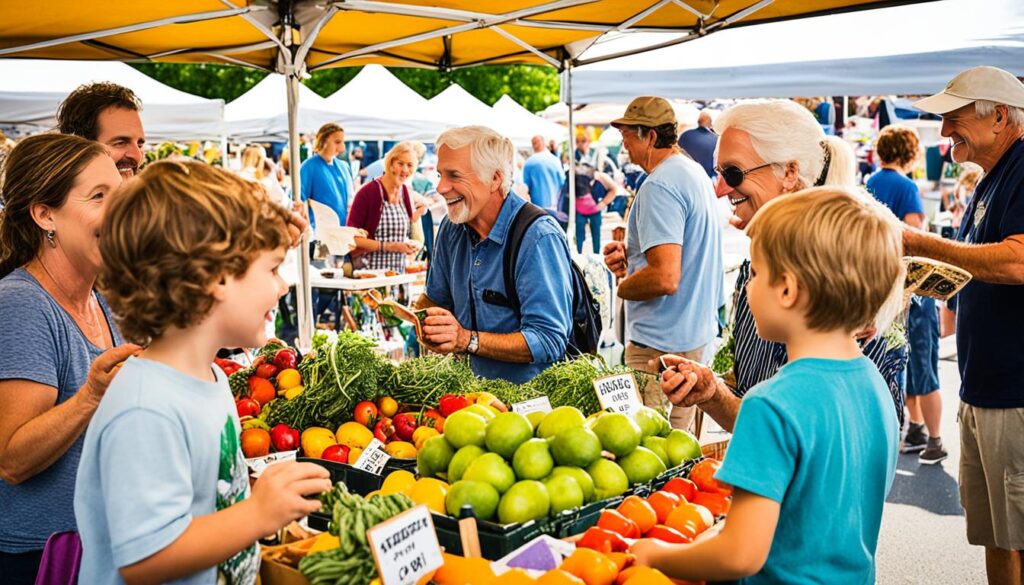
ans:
x=62 y=557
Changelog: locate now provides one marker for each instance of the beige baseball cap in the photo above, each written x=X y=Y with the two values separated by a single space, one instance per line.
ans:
x=977 y=83
x=648 y=111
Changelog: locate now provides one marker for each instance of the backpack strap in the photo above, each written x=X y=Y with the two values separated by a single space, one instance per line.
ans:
x=525 y=217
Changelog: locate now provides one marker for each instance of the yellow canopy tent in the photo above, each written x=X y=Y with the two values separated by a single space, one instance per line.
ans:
x=295 y=36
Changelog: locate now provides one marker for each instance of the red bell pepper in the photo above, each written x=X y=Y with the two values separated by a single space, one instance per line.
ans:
x=666 y=534
x=602 y=540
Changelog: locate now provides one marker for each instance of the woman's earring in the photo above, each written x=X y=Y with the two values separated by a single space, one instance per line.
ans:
x=51 y=236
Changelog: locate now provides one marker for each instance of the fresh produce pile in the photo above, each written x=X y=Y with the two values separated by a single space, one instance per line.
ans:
x=350 y=561
x=571 y=383
x=514 y=468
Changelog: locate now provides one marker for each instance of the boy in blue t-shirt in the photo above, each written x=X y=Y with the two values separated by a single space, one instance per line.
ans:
x=190 y=261
x=813 y=453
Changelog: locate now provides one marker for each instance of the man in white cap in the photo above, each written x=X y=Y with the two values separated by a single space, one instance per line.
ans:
x=982 y=113
x=671 y=262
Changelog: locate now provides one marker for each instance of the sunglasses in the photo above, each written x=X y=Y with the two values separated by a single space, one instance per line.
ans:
x=733 y=175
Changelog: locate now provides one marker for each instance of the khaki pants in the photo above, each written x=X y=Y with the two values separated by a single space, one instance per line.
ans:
x=637 y=358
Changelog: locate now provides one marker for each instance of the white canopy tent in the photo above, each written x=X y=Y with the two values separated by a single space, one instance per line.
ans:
x=376 y=93
x=510 y=111
x=262 y=114
x=31 y=90
x=913 y=49
x=601 y=114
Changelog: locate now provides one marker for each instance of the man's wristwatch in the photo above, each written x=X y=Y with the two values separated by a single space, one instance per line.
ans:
x=474 y=342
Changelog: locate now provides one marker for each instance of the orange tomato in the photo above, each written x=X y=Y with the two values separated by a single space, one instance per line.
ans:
x=464 y=571
x=683 y=488
x=621 y=560
x=663 y=503
x=626 y=573
x=639 y=511
x=703 y=474
x=591 y=566
x=559 y=577
x=289 y=378
x=717 y=504
x=647 y=576
x=514 y=577
x=687 y=520
x=387 y=405
x=255 y=443
x=616 y=522
x=261 y=390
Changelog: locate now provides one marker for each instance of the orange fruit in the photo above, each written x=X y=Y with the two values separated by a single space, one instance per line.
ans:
x=690 y=519
x=387 y=406
x=717 y=504
x=400 y=450
x=663 y=504
x=463 y=571
x=354 y=434
x=431 y=492
x=559 y=577
x=514 y=577
x=261 y=390
x=703 y=474
x=315 y=439
x=621 y=560
x=255 y=443
x=591 y=566
x=647 y=576
x=639 y=511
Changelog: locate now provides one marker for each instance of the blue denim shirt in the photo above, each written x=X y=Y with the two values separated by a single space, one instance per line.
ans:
x=465 y=266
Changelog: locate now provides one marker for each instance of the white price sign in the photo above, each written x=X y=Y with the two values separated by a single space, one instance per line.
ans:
x=257 y=465
x=373 y=458
x=619 y=393
x=405 y=547
x=525 y=407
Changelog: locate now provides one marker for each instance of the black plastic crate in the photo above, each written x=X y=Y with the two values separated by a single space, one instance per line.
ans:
x=356 y=480
x=577 y=520
x=496 y=540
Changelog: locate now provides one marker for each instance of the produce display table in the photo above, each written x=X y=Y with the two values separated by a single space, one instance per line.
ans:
x=317 y=280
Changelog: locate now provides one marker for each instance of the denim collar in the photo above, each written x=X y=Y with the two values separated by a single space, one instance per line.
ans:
x=508 y=211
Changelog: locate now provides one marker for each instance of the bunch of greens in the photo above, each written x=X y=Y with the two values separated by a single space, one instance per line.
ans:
x=336 y=377
x=426 y=379
x=571 y=382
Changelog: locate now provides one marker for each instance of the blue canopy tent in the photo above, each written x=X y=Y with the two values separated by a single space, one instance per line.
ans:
x=904 y=50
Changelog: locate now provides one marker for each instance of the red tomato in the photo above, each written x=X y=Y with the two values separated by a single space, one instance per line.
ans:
x=285 y=359
x=450 y=403
x=405 y=425
x=666 y=534
x=247 y=407
x=337 y=453
x=261 y=390
x=717 y=504
x=365 y=413
x=639 y=511
x=663 y=503
x=703 y=474
x=284 y=438
x=266 y=371
x=684 y=488
x=616 y=522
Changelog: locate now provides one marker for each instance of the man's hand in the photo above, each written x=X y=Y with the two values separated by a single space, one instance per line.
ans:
x=298 y=222
x=686 y=382
x=442 y=332
x=615 y=258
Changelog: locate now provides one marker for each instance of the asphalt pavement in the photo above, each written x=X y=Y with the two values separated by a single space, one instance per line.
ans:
x=923 y=538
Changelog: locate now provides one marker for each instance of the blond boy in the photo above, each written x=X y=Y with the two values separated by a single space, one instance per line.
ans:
x=190 y=256
x=814 y=449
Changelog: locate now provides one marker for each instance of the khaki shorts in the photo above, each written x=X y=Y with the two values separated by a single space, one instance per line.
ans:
x=638 y=358
x=992 y=475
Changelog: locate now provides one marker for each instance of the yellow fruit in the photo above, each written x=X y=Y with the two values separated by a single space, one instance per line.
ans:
x=421 y=434
x=485 y=398
x=373 y=493
x=399 y=481
x=353 y=455
x=354 y=434
x=289 y=378
x=401 y=450
x=326 y=541
x=431 y=492
x=293 y=392
x=315 y=439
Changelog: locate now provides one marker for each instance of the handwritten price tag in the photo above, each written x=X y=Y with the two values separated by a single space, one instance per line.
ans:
x=525 y=407
x=257 y=465
x=373 y=458
x=405 y=547
x=619 y=393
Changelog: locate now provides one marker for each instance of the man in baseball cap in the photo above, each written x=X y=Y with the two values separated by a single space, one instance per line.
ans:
x=982 y=113
x=671 y=262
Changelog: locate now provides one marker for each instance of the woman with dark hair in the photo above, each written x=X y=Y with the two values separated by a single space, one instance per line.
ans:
x=59 y=358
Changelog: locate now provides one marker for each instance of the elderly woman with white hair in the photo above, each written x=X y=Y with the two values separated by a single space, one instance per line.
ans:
x=765 y=150
x=384 y=208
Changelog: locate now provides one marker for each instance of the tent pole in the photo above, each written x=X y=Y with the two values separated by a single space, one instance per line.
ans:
x=224 y=158
x=571 y=230
x=846 y=112
x=303 y=291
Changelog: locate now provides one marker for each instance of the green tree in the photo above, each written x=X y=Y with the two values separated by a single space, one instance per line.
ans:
x=532 y=86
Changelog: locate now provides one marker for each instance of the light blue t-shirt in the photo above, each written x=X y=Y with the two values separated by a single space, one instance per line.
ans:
x=42 y=344
x=676 y=205
x=161 y=451
x=374 y=170
x=329 y=183
x=543 y=176
x=821 y=439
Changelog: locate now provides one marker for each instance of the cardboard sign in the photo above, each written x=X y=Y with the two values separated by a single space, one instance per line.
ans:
x=619 y=393
x=405 y=547
x=373 y=458
x=525 y=407
x=257 y=465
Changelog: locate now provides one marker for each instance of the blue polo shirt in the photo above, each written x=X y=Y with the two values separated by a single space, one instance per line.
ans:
x=989 y=316
x=329 y=183
x=464 y=266
x=898 y=192
x=700 y=143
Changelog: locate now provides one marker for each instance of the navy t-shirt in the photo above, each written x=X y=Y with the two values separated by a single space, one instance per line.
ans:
x=990 y=317
x=897 y=192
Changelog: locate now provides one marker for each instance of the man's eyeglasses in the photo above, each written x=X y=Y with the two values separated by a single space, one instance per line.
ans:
x=733 y=175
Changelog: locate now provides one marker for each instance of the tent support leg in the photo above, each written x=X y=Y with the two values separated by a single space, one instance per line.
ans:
x=304 y=293
x=571 y=230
